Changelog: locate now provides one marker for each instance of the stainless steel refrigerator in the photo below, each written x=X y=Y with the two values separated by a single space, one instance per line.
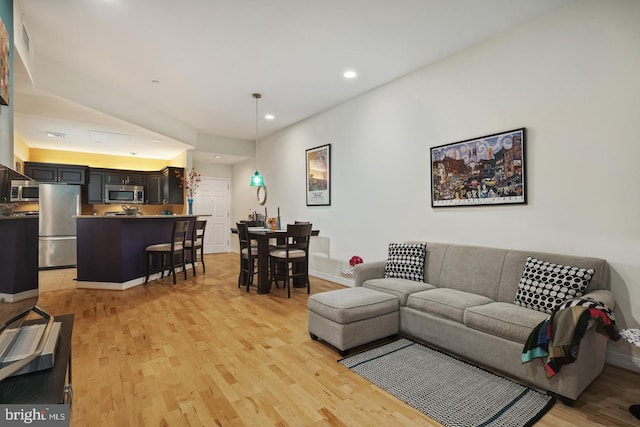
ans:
x=58 y=205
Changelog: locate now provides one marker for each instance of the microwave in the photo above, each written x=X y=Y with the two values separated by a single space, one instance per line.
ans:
x=24 y=191
x=116 y=193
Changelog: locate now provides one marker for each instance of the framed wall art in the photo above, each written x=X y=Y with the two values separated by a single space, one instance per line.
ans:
x=318 y=163
x=4 y=64
x=489 y=170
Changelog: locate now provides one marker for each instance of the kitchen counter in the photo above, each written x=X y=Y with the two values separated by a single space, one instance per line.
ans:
x=135 y=216
x=14 y=216
x=18 y=257
x=111 y=249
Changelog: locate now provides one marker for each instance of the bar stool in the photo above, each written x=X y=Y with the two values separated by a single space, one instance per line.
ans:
x=197 y=242
x=170 y=250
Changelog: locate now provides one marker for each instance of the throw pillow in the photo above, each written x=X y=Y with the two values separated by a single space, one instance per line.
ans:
x=544 y=285
x=406 y=261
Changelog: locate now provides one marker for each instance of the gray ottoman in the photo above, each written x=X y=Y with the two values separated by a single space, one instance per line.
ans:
x=347 y=318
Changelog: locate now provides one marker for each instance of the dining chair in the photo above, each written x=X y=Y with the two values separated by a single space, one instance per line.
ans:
x=279 y=243
x=254 y=223
x=172 y=250
x=195 y=243
x=248 y=256
x=293 y=258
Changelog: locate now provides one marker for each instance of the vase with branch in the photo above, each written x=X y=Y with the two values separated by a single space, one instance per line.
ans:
x=190 y=181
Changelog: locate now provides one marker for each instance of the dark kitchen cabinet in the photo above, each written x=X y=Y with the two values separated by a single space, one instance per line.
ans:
x=164 y=187
x=63 y=174
x=95 y=188
x=155 y=192
x=124 y=177
x=172 y=190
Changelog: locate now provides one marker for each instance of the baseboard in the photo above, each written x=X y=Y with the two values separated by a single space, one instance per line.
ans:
x=622 y=361
x=19 y=296
x=115 y=286
x=345 y=281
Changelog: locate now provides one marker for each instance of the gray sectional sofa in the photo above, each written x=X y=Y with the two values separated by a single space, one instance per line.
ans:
x=465 y=307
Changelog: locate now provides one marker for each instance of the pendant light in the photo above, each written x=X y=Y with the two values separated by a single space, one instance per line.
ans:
x=257 y=180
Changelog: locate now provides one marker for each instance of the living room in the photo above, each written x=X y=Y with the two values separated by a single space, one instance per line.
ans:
x=565 y=73
x=568 y=77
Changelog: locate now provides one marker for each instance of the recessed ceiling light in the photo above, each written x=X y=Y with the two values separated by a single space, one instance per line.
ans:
x=57 y=135
x=350 y=74
x=156 y=140
x=269 y=117
x=217 y=157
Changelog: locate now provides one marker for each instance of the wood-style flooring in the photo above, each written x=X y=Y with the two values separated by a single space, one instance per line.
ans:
x=206 y=353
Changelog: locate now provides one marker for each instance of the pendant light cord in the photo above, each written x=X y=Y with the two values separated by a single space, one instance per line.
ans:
x=257 y=96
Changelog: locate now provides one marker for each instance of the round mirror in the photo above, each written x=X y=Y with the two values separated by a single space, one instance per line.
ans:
x=262 y=194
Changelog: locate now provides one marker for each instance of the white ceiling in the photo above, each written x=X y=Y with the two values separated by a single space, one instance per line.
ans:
x=209 y=56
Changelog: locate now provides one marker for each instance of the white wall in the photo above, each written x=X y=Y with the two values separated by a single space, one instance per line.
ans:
x=213 y=170
x=570 y=78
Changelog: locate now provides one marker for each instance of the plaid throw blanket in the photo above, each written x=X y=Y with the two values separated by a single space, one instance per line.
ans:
x=558 y=338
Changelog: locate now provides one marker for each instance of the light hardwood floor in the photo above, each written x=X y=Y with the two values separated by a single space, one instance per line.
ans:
x=206 y=353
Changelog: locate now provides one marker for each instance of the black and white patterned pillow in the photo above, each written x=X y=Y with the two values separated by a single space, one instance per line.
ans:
x=544 y=285
x=406 y=261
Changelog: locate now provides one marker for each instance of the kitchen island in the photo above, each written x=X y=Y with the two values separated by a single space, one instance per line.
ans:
x=18 y=257
x=111 y=249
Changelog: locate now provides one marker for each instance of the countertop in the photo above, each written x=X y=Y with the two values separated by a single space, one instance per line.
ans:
x=133 y=216
x=18 y=217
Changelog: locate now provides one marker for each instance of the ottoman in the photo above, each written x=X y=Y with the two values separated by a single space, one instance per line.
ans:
x=347 y=318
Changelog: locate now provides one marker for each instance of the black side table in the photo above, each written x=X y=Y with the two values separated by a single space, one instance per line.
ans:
x=632 y=336
x=53 y=385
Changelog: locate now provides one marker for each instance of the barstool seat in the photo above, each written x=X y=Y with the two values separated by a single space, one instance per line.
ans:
x=162 y=247
x=172 y=250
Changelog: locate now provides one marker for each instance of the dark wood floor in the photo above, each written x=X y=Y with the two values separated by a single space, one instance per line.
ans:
x=205 y=353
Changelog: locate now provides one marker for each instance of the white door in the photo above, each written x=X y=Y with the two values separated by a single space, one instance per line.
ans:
x=212 y=199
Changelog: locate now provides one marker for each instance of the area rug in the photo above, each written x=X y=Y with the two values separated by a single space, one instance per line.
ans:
x=446 y=389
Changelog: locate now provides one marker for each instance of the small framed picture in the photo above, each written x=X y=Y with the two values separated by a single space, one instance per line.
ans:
x=489 y=170
x=318 y=164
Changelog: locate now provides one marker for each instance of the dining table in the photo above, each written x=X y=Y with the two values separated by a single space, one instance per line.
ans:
x=262 y=236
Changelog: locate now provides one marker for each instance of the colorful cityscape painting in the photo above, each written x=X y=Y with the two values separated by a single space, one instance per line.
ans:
x=489 y=170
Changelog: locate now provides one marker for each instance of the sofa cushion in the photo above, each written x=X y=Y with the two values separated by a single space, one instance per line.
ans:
x=473 y=269
x=401 y=288
x=504 y=320
x=352 y=304
x=447 y=303
x=406 y=261
x=544 y=285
